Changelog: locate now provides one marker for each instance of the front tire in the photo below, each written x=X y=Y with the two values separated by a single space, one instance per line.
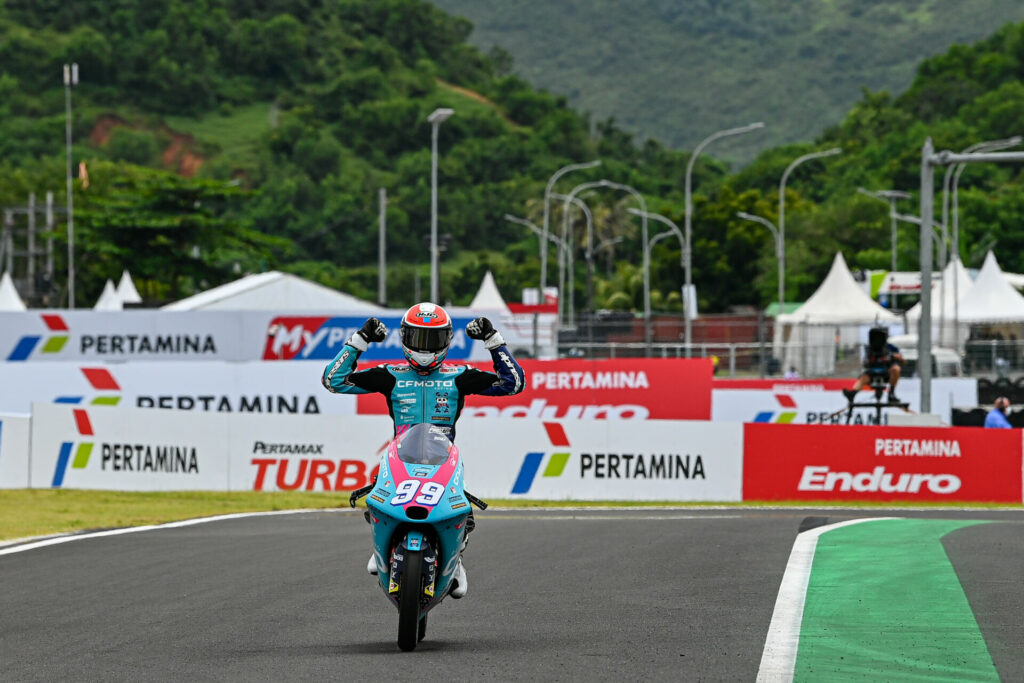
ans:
x=409 y=592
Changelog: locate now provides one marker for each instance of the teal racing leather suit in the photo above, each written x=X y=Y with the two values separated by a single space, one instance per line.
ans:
x=436 y=397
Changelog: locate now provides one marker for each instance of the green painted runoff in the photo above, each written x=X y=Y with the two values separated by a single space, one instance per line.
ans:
x=884 y=603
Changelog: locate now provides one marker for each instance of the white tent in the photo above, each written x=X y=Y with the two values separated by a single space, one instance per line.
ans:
x=833 y=316
x=942 y=292
x=109 y=300
x=9 y=299
x=273 y=291
x=488 y=298
x=839 y=300
x=126 y=291
x=992 y=299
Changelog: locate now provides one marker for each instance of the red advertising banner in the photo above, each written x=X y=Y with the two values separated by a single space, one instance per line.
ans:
x=619 y=389
x=905 y=464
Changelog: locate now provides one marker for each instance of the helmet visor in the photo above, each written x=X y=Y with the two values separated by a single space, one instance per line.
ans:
x=426 y=339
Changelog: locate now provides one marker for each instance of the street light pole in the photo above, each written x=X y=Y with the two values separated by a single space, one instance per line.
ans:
x=782 y=202
x=993 y=146
x=778 y=248
x=436 y=118
x=643 y=228
x=891 y=196
x=70 y=80
x=930 y=158
x=567 y=284
x=688 y=221
x=547 y=219
x=684 y=257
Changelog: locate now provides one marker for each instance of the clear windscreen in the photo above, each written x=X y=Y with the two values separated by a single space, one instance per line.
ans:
x=424 y=444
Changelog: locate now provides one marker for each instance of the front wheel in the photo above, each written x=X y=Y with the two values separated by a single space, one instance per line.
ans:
x=409 y=592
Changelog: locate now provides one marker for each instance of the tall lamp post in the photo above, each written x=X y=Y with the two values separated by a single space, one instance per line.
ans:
x=782 y=203
x=542 y=235
x=643 y=229
x=566 y=264
x=778 y=248
x=993 y=146
x=891 y=196
x=684 y=259
x=436 y=118
x=70 y=80
x=688 y=222
x=547 y=219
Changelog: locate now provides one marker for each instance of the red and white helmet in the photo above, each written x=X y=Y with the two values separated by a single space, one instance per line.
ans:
x=426 y=336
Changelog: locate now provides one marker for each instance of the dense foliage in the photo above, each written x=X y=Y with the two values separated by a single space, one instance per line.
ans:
x=240 y=135
x=711 y=64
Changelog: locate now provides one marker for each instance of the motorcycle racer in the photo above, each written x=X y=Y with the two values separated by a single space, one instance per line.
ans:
x=425 y=389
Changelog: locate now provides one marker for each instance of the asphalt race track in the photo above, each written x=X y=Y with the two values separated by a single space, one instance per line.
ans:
x=554 y=595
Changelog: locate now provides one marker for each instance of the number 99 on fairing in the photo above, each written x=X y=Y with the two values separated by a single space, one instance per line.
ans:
x=430 y=492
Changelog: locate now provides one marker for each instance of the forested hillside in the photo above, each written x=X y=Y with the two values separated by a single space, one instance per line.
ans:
x=712 y=64
x=238 y=135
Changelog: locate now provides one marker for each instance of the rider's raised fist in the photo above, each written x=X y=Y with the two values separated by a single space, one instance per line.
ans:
x=373 y=330
x=480 y=328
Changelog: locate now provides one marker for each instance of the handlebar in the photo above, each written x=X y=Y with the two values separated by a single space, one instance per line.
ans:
x=474 y=500
x=359 y=493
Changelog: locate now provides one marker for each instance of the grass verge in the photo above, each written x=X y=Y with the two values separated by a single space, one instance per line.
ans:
x=39 y=512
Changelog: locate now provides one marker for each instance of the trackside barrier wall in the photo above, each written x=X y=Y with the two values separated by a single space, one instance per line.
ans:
x=135 y=449
x=819 y=401
x=615 y=389
x=134 y=335
x=210 y=386
x=14 y=451
x=895 y=464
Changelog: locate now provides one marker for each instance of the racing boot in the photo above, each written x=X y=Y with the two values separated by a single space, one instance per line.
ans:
x=850 y=394
x=371 y=566
x=460 y=585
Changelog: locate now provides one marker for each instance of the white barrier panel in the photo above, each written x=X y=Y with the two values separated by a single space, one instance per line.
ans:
x=14 y=451
x=212 y=386
x=603 y=460
x=114 y=336
x=130 y=450
x=792 y=403
x=112 y=448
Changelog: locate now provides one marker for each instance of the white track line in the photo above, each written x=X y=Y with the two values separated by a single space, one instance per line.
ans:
x=778 y=661
x=57 y=540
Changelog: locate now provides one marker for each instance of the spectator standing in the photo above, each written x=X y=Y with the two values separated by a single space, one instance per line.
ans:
x=996 y=417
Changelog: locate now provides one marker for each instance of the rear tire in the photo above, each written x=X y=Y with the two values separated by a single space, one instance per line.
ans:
x=409 y=592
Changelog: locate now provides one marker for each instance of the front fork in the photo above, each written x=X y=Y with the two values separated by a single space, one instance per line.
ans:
x=414 y=541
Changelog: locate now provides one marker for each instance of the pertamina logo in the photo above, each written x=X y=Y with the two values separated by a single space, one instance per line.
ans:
x=784 y=417
x=82 y=453
x=532 y=461
x=100 y=380
x=606 y=465
x=122 y=457
x=53 y=343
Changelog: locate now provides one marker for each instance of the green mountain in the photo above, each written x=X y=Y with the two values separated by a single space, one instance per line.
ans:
x=241 y=135
x=678 y=71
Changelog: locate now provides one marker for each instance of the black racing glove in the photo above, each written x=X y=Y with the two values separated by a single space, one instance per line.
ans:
x=480 y=328
x=373 y=330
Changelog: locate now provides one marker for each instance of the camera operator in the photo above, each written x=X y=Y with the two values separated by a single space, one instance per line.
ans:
x=882 y=362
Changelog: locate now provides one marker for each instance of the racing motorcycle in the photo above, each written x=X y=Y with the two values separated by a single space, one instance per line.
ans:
x=418 y=510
